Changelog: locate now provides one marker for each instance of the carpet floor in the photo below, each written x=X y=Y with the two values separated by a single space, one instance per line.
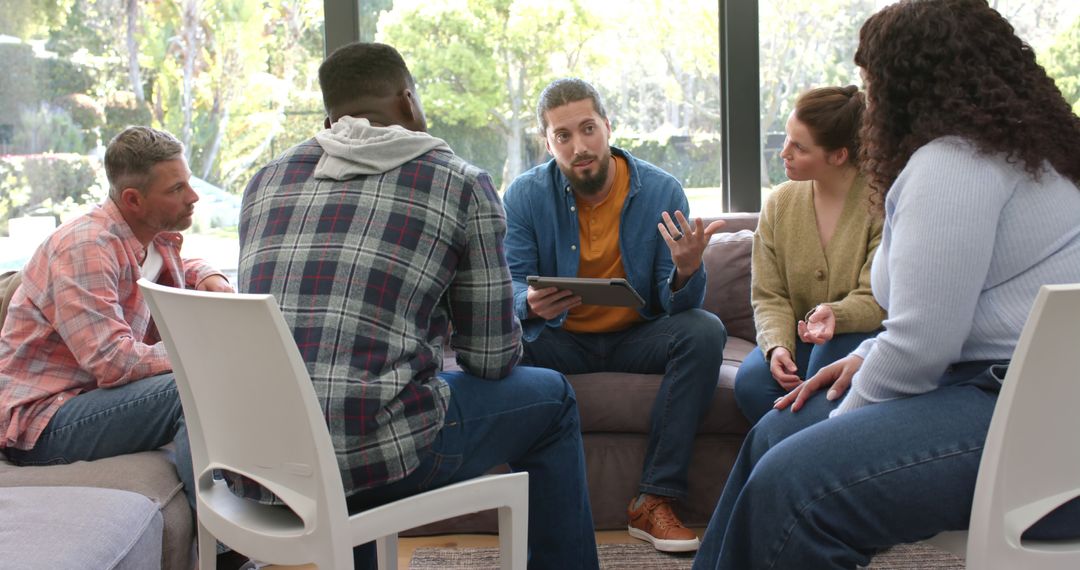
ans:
x=644 y=557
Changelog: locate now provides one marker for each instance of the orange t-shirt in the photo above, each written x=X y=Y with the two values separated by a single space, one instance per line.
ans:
x=600 y=256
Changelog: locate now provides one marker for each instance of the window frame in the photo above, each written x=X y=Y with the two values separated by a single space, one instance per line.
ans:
x=739 y=82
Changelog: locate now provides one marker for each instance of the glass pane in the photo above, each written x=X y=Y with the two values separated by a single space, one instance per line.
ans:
x=811 y=44
x=803 y=45
x=480 y=66
x=234 y=79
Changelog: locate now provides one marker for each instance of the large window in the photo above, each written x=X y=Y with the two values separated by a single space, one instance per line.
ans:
x=234 y=79
x=810 y=44
x=480 y=66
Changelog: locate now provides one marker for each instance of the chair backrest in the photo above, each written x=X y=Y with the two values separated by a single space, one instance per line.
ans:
x=247 y=397
x=1031 y=463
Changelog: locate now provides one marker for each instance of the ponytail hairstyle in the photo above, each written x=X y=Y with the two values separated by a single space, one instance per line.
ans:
x=833 y=115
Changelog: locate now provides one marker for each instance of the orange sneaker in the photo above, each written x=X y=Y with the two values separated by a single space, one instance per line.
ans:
x=655 y=522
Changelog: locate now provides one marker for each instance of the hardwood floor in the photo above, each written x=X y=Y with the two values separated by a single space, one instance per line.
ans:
x=406 y=546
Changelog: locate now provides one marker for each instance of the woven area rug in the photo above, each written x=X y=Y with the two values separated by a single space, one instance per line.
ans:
x=644 y=557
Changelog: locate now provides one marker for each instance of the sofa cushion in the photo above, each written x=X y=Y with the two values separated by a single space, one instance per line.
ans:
x=736 y=221
x=727 y=261
x=78 y=527
x=149 y=473
x=621 y=402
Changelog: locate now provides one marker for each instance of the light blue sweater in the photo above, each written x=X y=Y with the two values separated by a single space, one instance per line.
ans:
x=968 y=240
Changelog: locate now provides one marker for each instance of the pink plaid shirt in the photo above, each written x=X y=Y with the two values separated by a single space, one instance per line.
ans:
x=78 y=321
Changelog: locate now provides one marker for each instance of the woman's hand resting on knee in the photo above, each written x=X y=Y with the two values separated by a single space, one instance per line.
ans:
x=837 y=375
x=783 y=368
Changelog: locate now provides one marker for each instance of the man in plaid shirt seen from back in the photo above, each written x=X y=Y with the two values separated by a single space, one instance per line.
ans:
x=380 y=245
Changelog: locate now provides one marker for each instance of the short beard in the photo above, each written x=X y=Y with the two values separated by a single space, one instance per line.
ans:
x=178 y=225
x=589 y=185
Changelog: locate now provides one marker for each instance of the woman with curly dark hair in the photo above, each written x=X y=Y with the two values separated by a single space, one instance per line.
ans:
x=975 y=158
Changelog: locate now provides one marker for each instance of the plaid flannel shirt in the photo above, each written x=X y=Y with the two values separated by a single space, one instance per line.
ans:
x=370 y=273
x=78 y=321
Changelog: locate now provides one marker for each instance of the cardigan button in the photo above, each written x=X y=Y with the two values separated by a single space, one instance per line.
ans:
x=820 y=275
x=574 y=247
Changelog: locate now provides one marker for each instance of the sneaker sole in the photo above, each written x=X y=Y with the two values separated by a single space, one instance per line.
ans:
x=665 y=545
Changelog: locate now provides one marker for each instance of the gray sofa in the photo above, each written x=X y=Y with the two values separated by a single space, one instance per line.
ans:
x=148 y=501
x=615 y=407
x=79 y=527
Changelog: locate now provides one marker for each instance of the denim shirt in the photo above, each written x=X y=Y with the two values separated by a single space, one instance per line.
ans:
x=542 y=238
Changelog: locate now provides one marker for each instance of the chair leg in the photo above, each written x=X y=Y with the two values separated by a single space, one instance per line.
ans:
x=386 y=548
x=207 y=549
x=513 y=538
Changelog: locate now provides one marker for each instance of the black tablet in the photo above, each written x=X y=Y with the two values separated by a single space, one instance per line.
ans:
x=611 y=292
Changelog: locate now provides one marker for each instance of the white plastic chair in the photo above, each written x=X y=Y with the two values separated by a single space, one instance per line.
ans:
x=251 y=409
x=1030 y=463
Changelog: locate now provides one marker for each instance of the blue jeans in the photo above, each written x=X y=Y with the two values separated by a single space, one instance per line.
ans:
x=687 y=347
x=755 y=387
x=107 y=422
x=817 y=493
x=528 y=419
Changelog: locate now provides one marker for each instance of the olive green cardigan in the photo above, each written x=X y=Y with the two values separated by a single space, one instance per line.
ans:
x=791 y=273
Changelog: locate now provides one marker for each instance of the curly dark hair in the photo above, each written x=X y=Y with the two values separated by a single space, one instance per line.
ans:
x=936 y=68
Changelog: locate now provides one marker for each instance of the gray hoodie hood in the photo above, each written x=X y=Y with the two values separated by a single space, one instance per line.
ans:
x=353 y=147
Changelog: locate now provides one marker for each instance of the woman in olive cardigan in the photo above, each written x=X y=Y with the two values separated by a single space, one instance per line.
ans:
x=812 y=251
